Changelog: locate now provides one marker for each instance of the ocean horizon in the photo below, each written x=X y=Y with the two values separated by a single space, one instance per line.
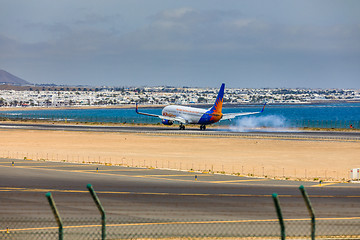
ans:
x=340 y=114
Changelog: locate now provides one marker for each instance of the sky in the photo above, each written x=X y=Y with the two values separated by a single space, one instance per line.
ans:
x=201 y=43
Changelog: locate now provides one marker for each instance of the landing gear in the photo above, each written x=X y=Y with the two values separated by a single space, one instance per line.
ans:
x=202 y=127
x=182 y=127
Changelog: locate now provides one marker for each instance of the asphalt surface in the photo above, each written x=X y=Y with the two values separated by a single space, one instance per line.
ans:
x=284 y=134
x=171 y=201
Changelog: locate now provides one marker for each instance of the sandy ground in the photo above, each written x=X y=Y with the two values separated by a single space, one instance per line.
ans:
x=326 y=160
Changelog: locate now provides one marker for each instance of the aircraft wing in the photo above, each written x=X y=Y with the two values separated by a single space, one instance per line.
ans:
x=177 y=119
x=229 y=116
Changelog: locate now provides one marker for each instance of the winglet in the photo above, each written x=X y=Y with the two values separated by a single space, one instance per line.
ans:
x=136 y=108
x=263 y=108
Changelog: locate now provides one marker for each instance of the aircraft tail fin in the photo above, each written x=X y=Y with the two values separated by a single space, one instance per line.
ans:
x=217 y=107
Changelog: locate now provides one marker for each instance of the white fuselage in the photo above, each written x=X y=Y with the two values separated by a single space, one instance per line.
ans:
x=190 y=114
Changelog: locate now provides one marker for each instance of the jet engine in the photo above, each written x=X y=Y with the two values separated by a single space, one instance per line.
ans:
x=167 y=122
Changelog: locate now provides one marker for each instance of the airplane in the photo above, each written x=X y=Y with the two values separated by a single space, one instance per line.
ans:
x=190 y=115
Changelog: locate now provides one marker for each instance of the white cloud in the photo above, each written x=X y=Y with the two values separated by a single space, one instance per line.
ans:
x=240 y=23
x=187 y=40
x=176 y=13
x=187 y=29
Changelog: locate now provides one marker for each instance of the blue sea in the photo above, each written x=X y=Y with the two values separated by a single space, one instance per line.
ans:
x=334 y=115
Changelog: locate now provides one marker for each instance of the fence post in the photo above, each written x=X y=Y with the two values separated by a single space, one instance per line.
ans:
x=101 y=209
x=279 y=214
x=310 y=209
x=56 y=214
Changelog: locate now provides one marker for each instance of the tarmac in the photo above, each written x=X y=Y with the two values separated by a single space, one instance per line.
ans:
x=164 y=197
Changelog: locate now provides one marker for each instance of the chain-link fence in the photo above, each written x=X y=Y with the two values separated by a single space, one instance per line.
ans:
x=80 y=228
x=132 y=225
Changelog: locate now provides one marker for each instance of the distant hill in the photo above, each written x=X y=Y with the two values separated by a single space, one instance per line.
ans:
x=9 y=79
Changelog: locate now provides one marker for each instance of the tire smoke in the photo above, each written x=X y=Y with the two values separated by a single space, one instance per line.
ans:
x=273 y=123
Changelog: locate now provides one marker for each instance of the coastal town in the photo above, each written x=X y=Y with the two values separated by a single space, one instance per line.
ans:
x=61 y=96
x=16 y=92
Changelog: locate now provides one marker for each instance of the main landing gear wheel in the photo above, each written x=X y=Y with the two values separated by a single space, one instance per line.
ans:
x=202 y=127
x=182 y=127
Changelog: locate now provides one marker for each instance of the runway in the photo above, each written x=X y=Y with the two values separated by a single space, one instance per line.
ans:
x=171 y=202
x=216 y=131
